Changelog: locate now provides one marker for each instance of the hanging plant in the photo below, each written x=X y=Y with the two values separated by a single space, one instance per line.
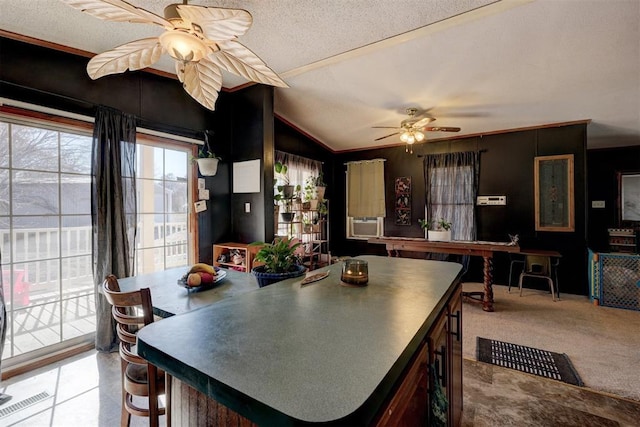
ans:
x=207 y=159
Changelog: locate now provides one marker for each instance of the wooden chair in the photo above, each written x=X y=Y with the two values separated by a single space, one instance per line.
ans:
x=537 y=266
x=132 y=311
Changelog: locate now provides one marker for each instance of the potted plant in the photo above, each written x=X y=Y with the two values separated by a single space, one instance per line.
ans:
x=441 y=231
x=321 y=186
x=425 y=224
x=207 y=159
x=280 y=261
x=311 y=202
x=307 y=224
x=281 y=171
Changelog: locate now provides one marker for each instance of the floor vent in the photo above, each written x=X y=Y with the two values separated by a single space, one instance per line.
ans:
x=23 y=404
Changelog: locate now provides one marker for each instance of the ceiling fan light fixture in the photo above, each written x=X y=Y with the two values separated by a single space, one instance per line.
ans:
x=419 y=136
x=183 y=46
x=404 y=137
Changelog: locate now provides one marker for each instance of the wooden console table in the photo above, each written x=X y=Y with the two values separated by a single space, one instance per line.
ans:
x=456 y=247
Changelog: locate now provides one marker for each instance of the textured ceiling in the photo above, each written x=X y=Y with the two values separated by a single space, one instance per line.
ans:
x=482 y=65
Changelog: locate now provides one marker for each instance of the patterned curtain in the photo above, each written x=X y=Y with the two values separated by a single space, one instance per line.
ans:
x=113 y=210
x=451 y=185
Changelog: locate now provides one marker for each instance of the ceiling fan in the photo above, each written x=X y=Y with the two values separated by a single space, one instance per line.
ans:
x=412 y=129
x=201 y=39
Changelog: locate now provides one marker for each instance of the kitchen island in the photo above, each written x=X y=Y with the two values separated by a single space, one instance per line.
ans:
x=322 y=353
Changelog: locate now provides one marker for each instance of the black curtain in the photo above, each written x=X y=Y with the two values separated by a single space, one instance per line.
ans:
x=113 y=209
x=3 y=312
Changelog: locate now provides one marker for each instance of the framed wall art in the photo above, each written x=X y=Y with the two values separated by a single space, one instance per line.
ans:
x=629 y=196
x=403 y=200
x=553 y=192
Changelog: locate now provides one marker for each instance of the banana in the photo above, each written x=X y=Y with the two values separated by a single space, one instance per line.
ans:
x=202 y=267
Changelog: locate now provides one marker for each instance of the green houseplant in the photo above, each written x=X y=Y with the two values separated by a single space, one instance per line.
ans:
x=282 y=172
x=436 y=229
x=207 y=159
x=321 y=186
x=280 y=261
x=441 y=230
x=310 y=198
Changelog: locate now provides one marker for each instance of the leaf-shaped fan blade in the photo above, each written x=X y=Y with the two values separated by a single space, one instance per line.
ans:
x=202 y=80
x=386 y=136
x=442 y=129
x=117 y=10
x=217 y=23
x=238 y=59
x=131 y=56
x=422 y=123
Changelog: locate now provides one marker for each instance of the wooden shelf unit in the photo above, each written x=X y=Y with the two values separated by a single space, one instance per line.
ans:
x=248 y=253
x=624 y=240
x=315 y=239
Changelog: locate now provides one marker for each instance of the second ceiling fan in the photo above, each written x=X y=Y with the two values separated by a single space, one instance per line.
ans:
x=412 y=129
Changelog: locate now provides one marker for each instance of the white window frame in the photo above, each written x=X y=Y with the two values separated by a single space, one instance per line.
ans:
x=84 y=124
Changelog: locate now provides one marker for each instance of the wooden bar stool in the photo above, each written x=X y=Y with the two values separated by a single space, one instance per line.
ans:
x=132 y=311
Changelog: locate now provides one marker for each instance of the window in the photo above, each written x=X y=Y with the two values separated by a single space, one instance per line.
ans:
x=299 y=170
x=46 y=235
x=451 y=189
x=162 y=235
x=365 y=199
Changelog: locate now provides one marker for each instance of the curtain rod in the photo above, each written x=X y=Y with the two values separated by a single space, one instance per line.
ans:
x=365 y=161
x=286 y=153
x=484 y=150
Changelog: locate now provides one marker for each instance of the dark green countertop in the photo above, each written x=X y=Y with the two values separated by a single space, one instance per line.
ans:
x=288 y=354
x=169 y=298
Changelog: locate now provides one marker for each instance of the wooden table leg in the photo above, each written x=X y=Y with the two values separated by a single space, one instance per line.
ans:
x=487 y=299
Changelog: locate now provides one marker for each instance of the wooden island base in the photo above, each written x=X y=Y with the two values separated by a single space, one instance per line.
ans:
x=189 y=407
x=410 y=400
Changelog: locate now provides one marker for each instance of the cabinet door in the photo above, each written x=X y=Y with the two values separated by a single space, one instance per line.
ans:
x=409 y=405
x=439 y=368
x=454 y=385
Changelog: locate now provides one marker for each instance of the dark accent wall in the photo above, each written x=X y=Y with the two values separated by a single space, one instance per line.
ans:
x=506 y=168
x=253 y=139
x=59 y=80
x=244 y=128
x=604 y=165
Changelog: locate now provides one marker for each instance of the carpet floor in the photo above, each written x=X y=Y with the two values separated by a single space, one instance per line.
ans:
x=602 y=343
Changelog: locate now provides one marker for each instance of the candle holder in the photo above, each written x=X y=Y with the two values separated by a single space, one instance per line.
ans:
x=355 y=272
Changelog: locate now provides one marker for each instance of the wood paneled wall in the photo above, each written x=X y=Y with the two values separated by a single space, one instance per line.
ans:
x=506 y=168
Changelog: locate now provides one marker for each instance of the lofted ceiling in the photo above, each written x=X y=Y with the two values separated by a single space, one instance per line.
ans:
x=481 y=65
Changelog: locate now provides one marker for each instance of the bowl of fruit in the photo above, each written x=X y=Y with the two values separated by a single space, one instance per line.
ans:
x=201 y=276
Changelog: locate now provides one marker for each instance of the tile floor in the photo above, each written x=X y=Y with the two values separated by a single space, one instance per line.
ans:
x=495 y=396
x=85 y=391
x=82 y=391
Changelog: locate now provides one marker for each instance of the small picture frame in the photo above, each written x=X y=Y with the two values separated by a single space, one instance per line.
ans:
x=553 y=192
x=629 y=197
